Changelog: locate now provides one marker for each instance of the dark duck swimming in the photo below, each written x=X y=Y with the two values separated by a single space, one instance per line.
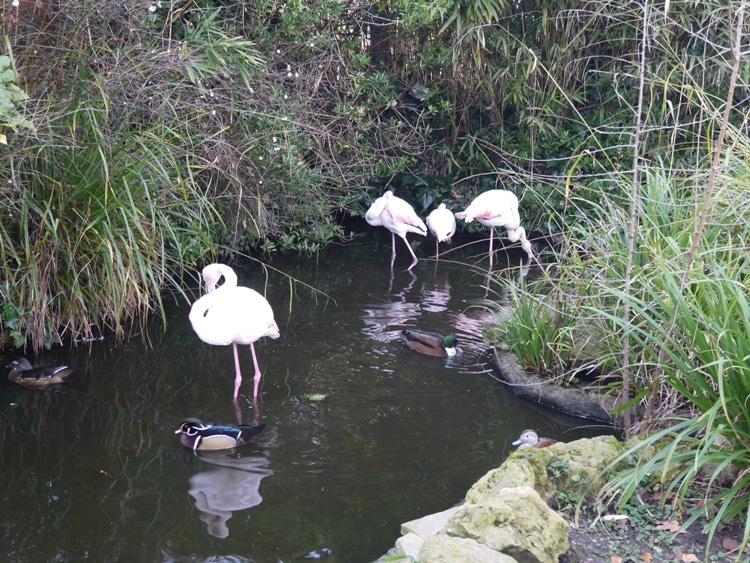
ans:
x=431 y=343
x=23 y=373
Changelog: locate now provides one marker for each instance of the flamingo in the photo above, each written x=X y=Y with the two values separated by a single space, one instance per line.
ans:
x=442 y=225
x=397 y=216
x=498 y=208
x=231 y=314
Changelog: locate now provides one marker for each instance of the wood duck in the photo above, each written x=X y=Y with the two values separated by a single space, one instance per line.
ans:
x=23 y=373
x=431 y=343
x=530 y=439
x=201 y=436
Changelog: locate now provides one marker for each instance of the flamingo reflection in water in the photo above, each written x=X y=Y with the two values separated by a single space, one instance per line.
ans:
x=435 y=295
x=233 y=485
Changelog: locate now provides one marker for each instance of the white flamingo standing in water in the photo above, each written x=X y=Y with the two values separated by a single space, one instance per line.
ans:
x=232 y=314
x=498 y=208
x=442 y=225
x=399 y=217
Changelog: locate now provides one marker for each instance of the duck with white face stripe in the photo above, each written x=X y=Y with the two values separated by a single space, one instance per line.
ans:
x=200 y=436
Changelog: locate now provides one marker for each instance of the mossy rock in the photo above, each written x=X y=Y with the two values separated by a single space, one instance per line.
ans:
x=514 y=472
x=514 y=521
x=585 y=461
x=449 y=549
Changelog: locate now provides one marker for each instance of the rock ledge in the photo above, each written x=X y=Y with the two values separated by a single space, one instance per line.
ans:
x=505 y=516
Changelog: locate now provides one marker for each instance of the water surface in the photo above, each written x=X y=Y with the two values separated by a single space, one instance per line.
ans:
x=362 y=433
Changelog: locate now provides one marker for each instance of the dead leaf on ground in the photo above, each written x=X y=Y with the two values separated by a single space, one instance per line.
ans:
x=661 y=495
x=686 y=557
x=646 y=557
x=730 y=544
x=671 y=526
x=615 y=559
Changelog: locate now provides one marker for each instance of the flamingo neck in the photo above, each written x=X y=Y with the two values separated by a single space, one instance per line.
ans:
x=213 y=273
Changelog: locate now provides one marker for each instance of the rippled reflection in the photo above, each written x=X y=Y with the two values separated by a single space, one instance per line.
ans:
x=233 y=485
x=362 y=433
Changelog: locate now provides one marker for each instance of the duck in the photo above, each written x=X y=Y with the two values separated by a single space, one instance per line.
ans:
x=232 y=314
x=399 y=217
x=23 y=373
x=530 y=439
x=498 y=208
x=200 y=436
x=431 y=343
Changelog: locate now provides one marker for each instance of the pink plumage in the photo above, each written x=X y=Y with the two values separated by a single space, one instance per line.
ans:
x=232 y=314
x=498 y=208
x=399 y=218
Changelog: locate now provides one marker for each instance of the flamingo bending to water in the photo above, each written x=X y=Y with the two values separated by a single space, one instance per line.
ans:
x=498 y=208
x=442 y=225
x=399 y=217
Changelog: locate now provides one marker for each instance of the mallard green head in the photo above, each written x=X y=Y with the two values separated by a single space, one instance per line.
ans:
x=450 y=343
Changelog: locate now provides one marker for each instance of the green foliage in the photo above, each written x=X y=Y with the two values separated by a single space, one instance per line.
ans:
x=546 y=336
x=10 y=96
x=693 y=450
x=273 y=121
x=566 y=499
x=93 y=230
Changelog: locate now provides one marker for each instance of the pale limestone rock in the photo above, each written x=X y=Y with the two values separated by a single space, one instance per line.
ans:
x=516 y=471
x=514 y=521
x=447 y=549
x=587 y=459
x=504 y=517
x=429 y=525
x=409 y=545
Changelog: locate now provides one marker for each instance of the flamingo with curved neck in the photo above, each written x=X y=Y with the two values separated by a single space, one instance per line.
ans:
x=396 y=215
x=232 y=314
x=498 y=208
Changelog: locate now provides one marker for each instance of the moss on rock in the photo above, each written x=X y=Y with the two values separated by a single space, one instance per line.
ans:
x=514 y=521
x=516 y=471
x=449 y=549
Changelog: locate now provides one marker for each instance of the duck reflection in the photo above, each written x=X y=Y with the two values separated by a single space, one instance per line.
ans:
x=232 y=485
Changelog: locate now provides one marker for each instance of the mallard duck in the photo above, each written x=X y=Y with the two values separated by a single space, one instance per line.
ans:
x=431 y=343
x=231 y=314
x=396 y=215
x=530 y=439
x=23 y=373
x=498 y=208
x=200 y=436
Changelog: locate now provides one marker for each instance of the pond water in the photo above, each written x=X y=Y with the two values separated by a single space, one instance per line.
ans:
x=362 y=433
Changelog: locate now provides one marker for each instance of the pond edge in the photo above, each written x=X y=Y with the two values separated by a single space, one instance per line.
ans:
x=590 y=404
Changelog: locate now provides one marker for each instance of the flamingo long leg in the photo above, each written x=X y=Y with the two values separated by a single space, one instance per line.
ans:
x=492 y=230
x=393 y=249
x=406 y=242
x=256 y=378
x=238 y=373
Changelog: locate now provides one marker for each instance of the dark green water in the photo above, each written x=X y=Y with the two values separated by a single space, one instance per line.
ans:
x=94 y=471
